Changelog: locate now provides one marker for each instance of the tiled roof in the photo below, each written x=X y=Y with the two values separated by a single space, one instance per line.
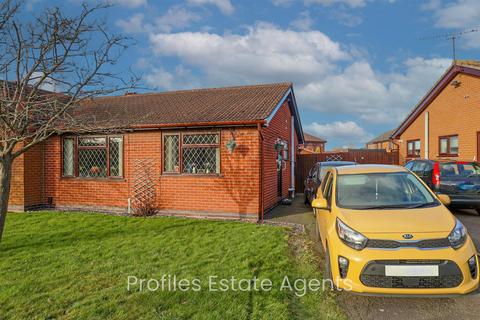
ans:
x=200 y=106
x=381 y=138
x=311 y=138
x=468 y=63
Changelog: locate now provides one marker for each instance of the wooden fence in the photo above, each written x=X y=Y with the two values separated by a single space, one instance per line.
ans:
x=366 y=156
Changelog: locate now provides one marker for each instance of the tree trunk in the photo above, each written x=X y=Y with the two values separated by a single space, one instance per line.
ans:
x=5 y=179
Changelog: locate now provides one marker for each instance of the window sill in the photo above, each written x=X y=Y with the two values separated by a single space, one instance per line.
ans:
x=448 y=155
x=108 y=179
x=200 y=175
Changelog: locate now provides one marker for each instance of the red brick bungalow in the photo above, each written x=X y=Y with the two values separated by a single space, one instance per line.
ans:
x=186 y=140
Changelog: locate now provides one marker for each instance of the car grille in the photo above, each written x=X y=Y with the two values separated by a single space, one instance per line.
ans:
x=421 y=244
x=373 y=275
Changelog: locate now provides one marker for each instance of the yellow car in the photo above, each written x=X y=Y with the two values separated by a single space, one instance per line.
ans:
x=385 y=232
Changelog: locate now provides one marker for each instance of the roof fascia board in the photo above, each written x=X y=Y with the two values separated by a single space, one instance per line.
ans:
x=433 y=93
x=294 y=109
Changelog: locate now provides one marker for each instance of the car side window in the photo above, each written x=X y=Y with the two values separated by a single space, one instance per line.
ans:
x=419 y=166
x=328 y=189
x=324 y=183
x=409 y=165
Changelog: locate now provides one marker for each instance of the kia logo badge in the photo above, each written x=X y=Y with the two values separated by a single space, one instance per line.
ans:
x=407 y=236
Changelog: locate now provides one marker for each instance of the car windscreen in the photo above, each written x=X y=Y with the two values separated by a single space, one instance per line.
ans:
x=382 y=191
x=459 y=169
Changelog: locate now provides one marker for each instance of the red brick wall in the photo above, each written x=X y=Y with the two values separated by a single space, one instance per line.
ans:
x=279 y=127
x=26 y=191
x=33 y=177
x=79 y=192
x=16 y=201
x=455 y=111
x=235 y=191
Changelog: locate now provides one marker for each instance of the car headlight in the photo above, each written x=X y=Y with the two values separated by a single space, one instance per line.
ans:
x=350 y=237
x=458 y=236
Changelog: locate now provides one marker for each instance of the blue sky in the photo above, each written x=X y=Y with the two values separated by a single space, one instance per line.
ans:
x=358 y=66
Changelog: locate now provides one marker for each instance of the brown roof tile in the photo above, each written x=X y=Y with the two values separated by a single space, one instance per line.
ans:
x=311 y=138
x=215 y=105
x=382 y=138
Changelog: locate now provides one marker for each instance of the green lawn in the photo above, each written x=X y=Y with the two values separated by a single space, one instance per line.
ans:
x=75 y=266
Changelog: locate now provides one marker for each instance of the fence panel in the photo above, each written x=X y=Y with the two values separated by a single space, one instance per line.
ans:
x=364 y=156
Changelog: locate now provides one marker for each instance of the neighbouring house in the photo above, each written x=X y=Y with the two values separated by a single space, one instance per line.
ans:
x=223 y=152
x=383 y=141
x=445 y=124
x=312 y=144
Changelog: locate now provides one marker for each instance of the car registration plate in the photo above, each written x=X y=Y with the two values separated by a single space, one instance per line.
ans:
x=411 y=271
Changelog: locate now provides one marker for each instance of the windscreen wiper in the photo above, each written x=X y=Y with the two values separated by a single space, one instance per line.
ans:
x=385 y=206
x=424 y=205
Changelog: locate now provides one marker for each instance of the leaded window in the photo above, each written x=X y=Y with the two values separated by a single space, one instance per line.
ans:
x=93 y=157
x=68 y=157
x=171 y=153
x=192 y=153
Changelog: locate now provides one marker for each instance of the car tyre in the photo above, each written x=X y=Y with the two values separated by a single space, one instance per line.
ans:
x=478 y=210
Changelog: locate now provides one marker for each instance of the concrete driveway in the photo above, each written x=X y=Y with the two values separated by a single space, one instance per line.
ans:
x=363 y=307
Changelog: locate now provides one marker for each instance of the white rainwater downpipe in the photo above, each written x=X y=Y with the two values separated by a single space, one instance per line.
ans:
x=426 y=135
x=292 y=158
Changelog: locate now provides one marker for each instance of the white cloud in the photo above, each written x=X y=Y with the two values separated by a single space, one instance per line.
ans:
x=457 y=14
x=130 y=3
x=176 y=17
x=225 y=6
x=350 y=3
x=48 y=83
x=181 y=77
x=346 y=18
x=374 y=97
x=326 y=77
x=134 y=24
x=340 y=131
x=303 y=22
x=255 y=56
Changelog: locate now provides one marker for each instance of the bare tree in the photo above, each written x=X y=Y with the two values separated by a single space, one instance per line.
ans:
x=48 y=66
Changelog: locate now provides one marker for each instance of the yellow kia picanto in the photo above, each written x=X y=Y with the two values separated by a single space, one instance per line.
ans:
x=385 y=232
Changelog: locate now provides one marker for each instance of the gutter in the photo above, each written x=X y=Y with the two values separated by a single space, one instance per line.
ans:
x=261 y=204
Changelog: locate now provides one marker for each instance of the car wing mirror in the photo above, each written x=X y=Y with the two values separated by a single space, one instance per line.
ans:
x=320 y=203
x=445 y=199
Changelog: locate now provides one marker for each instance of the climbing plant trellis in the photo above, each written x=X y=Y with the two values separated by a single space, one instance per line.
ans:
x=144 y=188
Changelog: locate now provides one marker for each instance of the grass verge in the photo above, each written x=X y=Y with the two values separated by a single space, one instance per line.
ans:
x=75 y=266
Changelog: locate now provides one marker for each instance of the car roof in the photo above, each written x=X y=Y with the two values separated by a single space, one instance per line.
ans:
x=337 y=163
x=369 y=168
x=443 y=161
